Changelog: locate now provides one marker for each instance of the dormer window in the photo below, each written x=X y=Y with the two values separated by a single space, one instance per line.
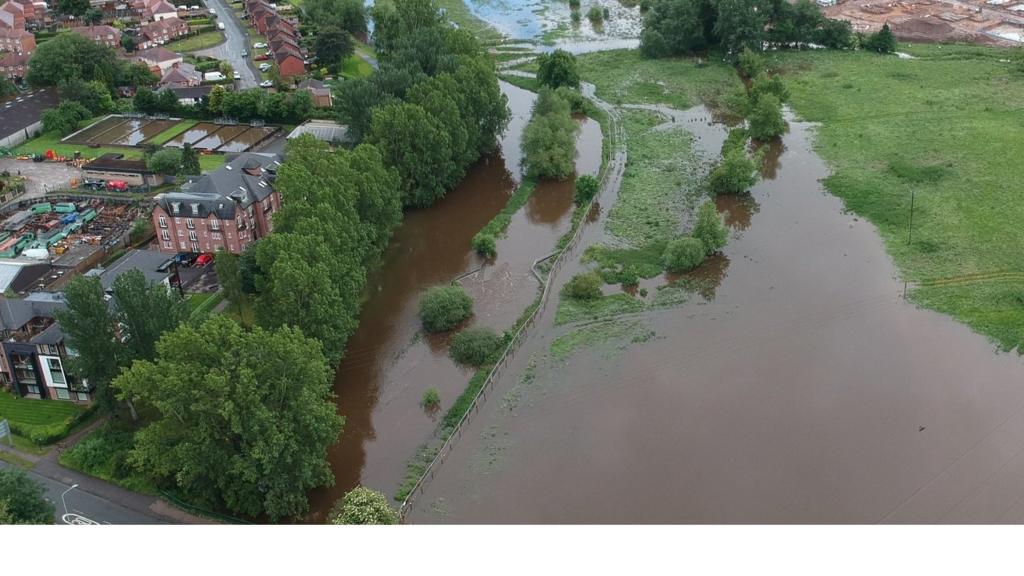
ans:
x=195 y=209
x=175 y=207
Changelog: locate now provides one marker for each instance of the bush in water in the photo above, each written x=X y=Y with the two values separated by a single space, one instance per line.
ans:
x=683 y=254
x=734 y=174
x=431 y=399
x=709 y=229
x=474 y=346
x=584 y=286
x=485 y=245
x=586 y=188
x=443 y=307
x=363 y=506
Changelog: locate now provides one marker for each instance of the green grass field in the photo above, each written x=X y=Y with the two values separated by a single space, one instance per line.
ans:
x=197 y=42
x=36 y=412
x=947 y=127
x=165 y=136
x=623 y=77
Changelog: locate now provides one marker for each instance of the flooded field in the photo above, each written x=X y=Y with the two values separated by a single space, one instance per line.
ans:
x=220 y=137
x=388 y=362
x=193 y=134
x=796 y=387
x=550 y=21
x=247 y=140
x=95 y=130
x=122 y=131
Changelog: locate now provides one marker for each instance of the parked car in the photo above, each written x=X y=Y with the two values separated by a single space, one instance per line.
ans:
x=236 y=75
x=245 y=54
x=117 y=185
x=212 y=11
x=262 y=57
x=266 y=84
x=220 y=25
x=204 y=259
x=186 y=258
x=213 y=77
x=259 y=45
x=264 y=67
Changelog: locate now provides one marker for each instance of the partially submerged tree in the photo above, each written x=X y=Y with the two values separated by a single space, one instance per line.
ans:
x=444 y=307
x=558 y=69
x=363 y=506
x=710 y=229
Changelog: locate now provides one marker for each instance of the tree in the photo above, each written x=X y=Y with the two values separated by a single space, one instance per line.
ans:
x=710 y=229
x=751 y=63
x=835 y=34
x=216 y=100
x=444 y=307
x=129 y=43
x=229 y=276
x=419 y=147
x=22 y=499
x=94 y=95
x=586 y=286
x=587 y=187
x=332 y=46
x=683 y=254
x=70 y=56
x=165 y=161
x=741 y=24
x=348 y=15
x=89 y=329
x=734 y=174
x=474 y=346
x=674 y=27
x=882 y=41
x=363 y=506
x=64 y=119
x=93 y=16
x=145 y=101
x=245 y=417
x=549 y=140
x=7 y=87
x=73 y=7
x=189 y=161
x=558 y=69
x=137 y=74
x=766 y=121
x=144 y=311
x=764 y=84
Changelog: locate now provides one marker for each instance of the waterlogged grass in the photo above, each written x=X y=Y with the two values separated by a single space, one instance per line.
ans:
x=499 y=224
x=165 y=136
x=571 y=310
x=891 y=128
x=457 y=12
x=623 y=77
x=568 y=344
x=530 y=84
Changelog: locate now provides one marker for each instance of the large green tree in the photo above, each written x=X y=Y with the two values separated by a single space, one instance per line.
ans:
x=70 y=56
x=89 y=330
x=144 y=311
x=94 y=95
x=419 y=147
x=332 y=45
x=741 y=24
x=558 y=69
x=73 y=7
x=348 y=15
x=549 y=140
x=245 y=417
x=674 y=27
x=22 y=499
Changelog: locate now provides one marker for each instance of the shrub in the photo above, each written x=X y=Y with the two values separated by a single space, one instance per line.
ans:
x=549 y=140
x=22 y=499
x=558 y=69
x=474 y=346
x=629 y=276
x=882 y=41
x=683 y=254
x=766 y=121
x=165 y=161
x=585 y=286
x=443 y=307
x=734 y=174
x=750 y=63
x=574 y=4
x=431 y=398
x=710 y=229
x=363 y=506
x=595 y=15
x=485 y=245
x=765 y=84
x=586 y=188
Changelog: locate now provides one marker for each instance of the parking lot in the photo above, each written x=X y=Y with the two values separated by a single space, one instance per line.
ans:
x=42 y=176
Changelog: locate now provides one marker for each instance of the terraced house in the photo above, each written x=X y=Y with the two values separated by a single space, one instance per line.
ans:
x=226 y=209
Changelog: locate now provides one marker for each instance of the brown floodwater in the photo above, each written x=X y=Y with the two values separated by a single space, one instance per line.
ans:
x=803 y=389
x=388 y=363
x=86 y=135
x=246 y=140
x=193 y=134
x=220 y=137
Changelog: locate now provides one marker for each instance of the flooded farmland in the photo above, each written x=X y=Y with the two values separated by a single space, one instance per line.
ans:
x=799 y=388
x=388 y=363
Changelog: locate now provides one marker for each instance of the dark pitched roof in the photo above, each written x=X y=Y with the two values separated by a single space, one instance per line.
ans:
x=118 y=163
x=242 y=181
x=191 y=91
x=15 y=313
x=145 y=261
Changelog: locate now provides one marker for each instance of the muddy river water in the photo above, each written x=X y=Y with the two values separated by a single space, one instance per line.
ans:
x=803 y=389
x=388 y=363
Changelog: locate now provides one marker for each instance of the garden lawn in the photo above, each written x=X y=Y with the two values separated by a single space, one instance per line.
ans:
x=623 y=77
x=38 y=422
x=945 y=126
x=197 y=42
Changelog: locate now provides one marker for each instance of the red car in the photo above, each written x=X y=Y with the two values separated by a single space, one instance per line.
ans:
x=117 y=185
x=203 y=260
x=262 y=57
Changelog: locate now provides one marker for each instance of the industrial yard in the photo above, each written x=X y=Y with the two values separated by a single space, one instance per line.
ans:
x=989 y=22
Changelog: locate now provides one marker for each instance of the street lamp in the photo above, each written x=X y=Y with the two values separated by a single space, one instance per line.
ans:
x=63 y=494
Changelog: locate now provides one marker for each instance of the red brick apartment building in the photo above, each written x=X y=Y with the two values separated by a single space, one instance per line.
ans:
x=226 y=209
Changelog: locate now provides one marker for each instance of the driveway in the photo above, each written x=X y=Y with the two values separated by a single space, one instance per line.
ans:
x=237 y=43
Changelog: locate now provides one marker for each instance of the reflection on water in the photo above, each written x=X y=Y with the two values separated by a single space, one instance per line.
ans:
x=736 y=209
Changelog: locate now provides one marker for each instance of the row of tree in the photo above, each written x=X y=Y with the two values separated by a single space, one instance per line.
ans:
x=433 y=108
x=676 y=27
x=549 y=140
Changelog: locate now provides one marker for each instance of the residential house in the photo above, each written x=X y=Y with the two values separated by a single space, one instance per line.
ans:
x=154 y=10
x=181 y=75
x=14 y=65
x=227 y=209
x=283 y=41
x=319 y=91
x=191 y=95
x=17 y=41
x=159 y=60
x=160 y=32
x=289 y=63
x=12 y=16
x=103 y=35
x=33 y=359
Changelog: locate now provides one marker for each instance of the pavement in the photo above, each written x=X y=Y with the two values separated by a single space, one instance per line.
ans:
x=237 y=43
x=41 y=176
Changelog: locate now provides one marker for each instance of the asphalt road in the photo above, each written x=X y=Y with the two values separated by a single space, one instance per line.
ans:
x=86 y=505
x=237 y=44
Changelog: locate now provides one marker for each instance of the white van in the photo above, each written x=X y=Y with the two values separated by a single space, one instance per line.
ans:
x=220 y=25
x=213 y=76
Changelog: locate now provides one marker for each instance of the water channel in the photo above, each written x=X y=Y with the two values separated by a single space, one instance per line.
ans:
x=389 y=363
x=801 y=388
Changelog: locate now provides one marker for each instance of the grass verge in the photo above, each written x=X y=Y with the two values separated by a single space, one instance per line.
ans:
x=200 y=41
x=41 y=421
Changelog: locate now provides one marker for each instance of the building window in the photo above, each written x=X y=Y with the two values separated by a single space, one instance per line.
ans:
x=63 y=394
x=195 y=209
x=167 y=245
x=163 y=222
x=32 y=389
x=195 y=247
x=165 y=234
x=214 y=224
x=192 y=236
x=189 y=223
x=175 y=207
x=56 y=373
x=216 y=236
x=82 y=397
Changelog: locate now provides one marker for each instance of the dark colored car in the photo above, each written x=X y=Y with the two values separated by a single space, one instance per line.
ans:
x=186 y=258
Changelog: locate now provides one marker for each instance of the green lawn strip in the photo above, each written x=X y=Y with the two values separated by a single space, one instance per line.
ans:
x=623 y=77
x=200 y=41
x=41 y=421
x=891 y=127
x=176 y=130
x=203 y=304
x=209 y=162
x=530 y=84
x=499 y=224
x=14 y=459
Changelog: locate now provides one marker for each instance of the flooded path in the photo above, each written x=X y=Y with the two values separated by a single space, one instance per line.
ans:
x=388 y=363
x=800 y=389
